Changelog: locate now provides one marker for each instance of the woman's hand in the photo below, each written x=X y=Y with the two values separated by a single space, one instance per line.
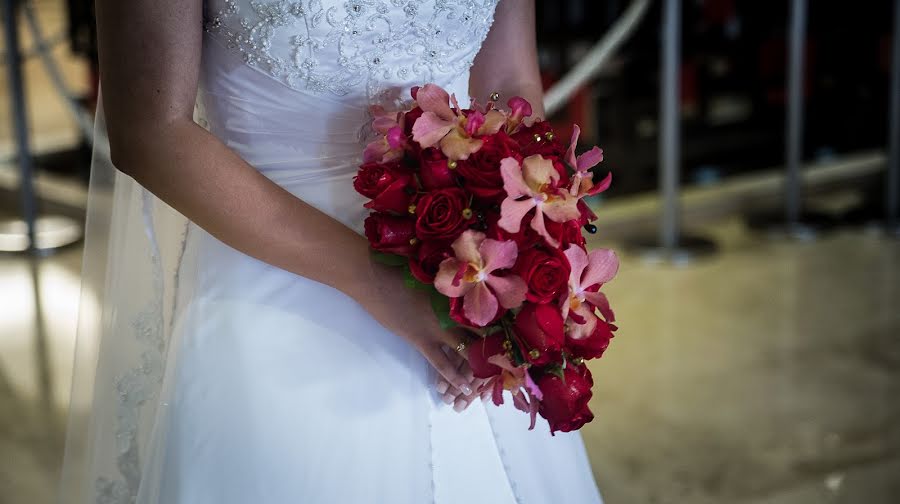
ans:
x=408 y=313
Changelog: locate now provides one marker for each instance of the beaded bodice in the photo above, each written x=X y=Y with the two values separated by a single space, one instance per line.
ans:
x=356 y=47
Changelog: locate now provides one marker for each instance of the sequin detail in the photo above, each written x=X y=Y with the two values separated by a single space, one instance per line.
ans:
x=354 y=46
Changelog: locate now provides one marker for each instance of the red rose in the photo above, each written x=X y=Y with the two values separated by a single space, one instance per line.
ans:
x=390 y=188
x=540 y=330
x=481 y=350
x=390 y=234
x=593 y=346
x=456 y=313
x=440 y=214
x=565 y=402
x=533 y=140
x=424 y=264
x=481 y=172
x=566 y=232
x=546 y=273
x=373 y=178
x=433 y=170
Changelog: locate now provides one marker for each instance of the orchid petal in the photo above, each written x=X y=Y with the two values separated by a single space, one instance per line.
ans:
x=498 y=254
x=480 y=305
x=602 y=186
x=395 y=137
x=466 y=247
x=456 y=146
x=513 y=181
x=570 y=152
x=519 y=106
x=444 y=280
x=589 y=159
x=454 y=103
x=383 y=124
x=474 y=121
x=432 y=98
x=494 y=120
x=537 y=223
x=602 y=267
x=512 y=212
x=532 y=388
x=429 y=129
x=564 y=305
x=599 y=300
x=578 y=261
x=561 y=209
x=538 y=171
x=584 y=330
x=510 y=290
x=376 y=150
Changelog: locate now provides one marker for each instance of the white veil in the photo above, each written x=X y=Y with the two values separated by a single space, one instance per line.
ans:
x=133 y=246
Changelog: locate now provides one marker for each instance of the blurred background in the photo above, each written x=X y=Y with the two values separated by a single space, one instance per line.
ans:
x=754 y=148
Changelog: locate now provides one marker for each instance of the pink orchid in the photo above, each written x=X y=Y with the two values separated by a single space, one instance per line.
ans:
x=390 y=144
x=519 y=109
x=589 y=272
x=582 y=181
x=526 y=394
x=470 y=275
x=535 y=179
x=441 y=124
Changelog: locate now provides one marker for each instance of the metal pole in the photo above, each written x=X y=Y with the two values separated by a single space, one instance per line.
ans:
x=892 y=197
x=20 y=124
x=670 y=131
x=794 y=119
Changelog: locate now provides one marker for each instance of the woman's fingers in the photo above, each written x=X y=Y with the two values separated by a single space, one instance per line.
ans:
x=447 y=368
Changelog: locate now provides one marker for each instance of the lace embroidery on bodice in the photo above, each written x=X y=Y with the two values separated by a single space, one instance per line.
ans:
x=365 y=46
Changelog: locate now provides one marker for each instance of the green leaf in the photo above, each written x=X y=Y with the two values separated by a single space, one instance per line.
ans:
x=441 y=306
x=389 y=259
x=414 y=283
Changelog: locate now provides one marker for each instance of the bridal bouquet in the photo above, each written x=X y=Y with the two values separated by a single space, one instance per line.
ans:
x=485 y=213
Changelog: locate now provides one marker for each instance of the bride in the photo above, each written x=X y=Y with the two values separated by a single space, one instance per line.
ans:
x=236 y=343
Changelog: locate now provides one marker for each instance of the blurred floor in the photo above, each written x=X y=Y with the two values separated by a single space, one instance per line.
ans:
x=769 y=373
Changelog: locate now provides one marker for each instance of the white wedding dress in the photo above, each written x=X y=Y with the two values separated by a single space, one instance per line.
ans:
x=256 y=385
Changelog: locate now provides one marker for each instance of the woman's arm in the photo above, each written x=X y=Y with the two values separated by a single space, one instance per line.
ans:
x=149 y=62
x=507 y=62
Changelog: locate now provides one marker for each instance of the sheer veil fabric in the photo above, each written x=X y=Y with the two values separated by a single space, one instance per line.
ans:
x=205 y=376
